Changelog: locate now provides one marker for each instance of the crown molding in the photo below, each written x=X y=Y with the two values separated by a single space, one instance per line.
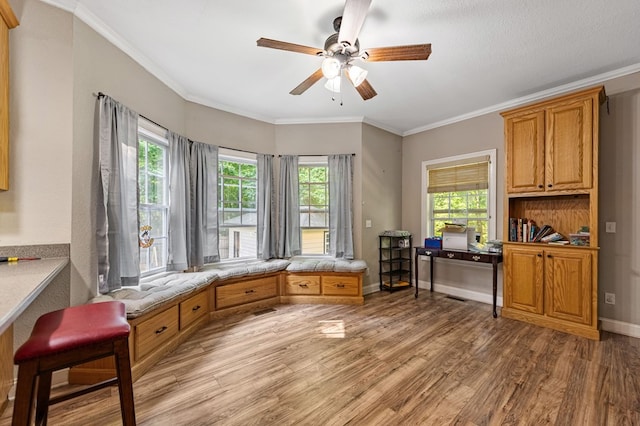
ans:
x=580 y=84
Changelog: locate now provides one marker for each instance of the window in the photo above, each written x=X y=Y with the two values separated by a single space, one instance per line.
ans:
x=313 y=177
x=460 y=189
x=237 y=204
x=153 y=207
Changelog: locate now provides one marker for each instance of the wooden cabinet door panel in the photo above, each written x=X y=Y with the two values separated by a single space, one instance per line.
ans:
x=524 y=279
x=524 y=136
x=568 y=285
x=569 y=145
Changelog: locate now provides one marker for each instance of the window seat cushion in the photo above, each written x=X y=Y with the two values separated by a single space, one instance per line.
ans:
x=326 y=265
x=253 y=267
x=153 y=292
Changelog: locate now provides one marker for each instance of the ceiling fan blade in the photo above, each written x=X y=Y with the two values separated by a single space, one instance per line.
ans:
x=291 y=47
x=366 y=90
x=414 y=52
x=355 y=11
x=310 y=81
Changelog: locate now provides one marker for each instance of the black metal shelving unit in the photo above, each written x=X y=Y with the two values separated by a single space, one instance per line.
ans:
x=396 y=271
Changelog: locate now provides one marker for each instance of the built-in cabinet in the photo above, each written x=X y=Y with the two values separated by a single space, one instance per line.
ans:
x=551 y=153
x=8 y=21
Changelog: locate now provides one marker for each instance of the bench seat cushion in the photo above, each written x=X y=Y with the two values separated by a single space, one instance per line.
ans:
x=355 y=265
x=226 y=271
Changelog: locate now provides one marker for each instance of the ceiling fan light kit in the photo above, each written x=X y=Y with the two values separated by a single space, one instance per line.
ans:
x=343 y=47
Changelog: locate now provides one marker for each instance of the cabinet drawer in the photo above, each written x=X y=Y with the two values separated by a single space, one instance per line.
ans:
x=245 y=292
x=477 y=257
x=193 y=308
x=340 y=286
x=152 y=333
x=302 y=284
x=451 y=254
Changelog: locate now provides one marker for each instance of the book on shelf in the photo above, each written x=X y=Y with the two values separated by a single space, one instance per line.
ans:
x=556 y=236
x=542 y=232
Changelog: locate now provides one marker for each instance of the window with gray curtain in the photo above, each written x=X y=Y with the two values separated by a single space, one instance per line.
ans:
x=204 y=202
x=180 y=203
x=117 y=213
x=266 y=206
x=340 y=206
x=289 y=243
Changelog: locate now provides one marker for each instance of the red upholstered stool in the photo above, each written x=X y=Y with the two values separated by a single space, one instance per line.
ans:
x=65 y=338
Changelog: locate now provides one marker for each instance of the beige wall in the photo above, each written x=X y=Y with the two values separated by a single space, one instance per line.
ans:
x=37 y=207
x=381 y=191
x=98 y=66
x=619 y=267
x=476 y=134
x=209 y=125
x=323 y=139
x=57 y=63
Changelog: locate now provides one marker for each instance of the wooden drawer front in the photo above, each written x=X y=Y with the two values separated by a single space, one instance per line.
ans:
x=152 y=333
x=451 y=254
x=193 y=308
x=303 y=284
x=340 y=286
x=245 y=292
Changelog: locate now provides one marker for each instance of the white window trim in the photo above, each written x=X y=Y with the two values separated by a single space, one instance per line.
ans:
x=491 y=202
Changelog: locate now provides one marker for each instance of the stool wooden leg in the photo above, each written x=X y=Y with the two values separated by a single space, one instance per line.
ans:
x=125 y=381
x=25 y=393
x=42 y=403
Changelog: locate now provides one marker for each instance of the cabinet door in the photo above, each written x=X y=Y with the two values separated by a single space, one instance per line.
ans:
x=523 y=279
x=569 y=145
x=524 y=136
x=568 y=284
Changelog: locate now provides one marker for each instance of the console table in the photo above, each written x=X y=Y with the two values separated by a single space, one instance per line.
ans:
x=492 y=258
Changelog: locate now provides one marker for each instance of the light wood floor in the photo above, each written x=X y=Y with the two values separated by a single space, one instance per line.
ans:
x=393 y=361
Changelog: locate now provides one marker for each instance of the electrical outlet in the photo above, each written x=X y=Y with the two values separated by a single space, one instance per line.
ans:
x=610 y=298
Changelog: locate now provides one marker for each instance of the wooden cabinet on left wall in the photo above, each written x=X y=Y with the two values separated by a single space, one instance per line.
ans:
x=7 y=22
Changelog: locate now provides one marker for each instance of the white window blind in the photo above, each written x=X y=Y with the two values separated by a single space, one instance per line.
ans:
x=461 y=177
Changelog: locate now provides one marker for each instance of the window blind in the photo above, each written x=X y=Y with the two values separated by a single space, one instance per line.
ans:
x=462 y=177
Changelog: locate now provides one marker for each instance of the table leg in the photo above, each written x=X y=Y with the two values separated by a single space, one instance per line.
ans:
x=495 y=287
x=431 y=262
x=417 y=258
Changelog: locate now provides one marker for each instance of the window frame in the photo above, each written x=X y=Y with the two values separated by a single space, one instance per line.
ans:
x=241 y=157
x=426 y=208
x=148 y=132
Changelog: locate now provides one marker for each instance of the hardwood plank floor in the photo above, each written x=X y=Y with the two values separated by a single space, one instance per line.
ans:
x=394 y=361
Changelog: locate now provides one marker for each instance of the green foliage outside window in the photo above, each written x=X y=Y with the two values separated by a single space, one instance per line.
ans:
x=467 y=207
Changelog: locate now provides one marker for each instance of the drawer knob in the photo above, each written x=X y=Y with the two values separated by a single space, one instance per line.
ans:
x=249 y=291
x=476 y=258
x=450 y=255
x=304 y=285
x=161 y=329
x=196 y=308
x=340 y=285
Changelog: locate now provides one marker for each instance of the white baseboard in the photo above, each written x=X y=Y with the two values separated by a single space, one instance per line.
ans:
x=619 y=327
x=445 y=289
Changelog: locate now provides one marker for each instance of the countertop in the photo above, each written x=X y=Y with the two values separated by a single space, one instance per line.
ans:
x=21 y=282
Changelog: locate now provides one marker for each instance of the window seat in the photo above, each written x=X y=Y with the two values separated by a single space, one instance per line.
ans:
x=165 y=310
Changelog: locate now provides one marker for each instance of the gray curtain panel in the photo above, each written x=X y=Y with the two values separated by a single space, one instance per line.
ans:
x=266 y=206
x=204 y=204
x=289 y=238
x=340 y=206
x=117 y=212
x=179 y=203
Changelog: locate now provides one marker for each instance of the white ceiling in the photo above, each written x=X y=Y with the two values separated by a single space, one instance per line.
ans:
x=487 y=54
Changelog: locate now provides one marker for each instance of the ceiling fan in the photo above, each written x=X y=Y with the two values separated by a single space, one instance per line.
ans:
x=343 y=48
